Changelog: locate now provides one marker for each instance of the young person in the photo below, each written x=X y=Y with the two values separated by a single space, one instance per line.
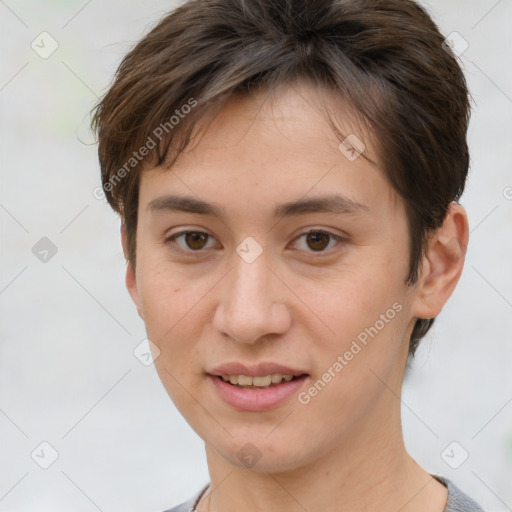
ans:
x=287 y=174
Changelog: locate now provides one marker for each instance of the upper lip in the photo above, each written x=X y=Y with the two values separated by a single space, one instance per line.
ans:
x=255 y=370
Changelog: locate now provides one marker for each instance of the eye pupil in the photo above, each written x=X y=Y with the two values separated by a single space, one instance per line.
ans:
x=316 y=239
x=193 y=238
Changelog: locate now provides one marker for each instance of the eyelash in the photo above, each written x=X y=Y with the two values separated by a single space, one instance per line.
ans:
x=172 y=240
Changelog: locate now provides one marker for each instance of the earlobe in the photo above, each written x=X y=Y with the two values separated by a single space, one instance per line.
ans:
x=443 y=263
x=130 y=277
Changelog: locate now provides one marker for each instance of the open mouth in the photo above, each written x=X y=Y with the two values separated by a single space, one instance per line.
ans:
x=264 y=382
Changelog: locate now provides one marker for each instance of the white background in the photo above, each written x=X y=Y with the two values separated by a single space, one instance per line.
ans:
x=68 y=328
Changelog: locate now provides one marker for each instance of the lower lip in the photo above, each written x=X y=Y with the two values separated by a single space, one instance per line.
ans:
x=246 y=399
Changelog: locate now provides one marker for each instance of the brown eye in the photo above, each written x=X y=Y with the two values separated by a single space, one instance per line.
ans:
x=196 y=240
x=189 y=241
x=317 y=240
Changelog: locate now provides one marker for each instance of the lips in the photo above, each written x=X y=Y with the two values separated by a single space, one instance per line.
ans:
x=254 y=398
x=257 y=370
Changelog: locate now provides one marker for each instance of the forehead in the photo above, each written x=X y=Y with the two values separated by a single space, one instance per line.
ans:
x=296 y=113
x=276 y=144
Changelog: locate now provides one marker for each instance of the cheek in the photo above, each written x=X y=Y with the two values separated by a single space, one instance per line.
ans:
x=364 y=356
x=365 y=312
x=176 y=310
x=357 y=297
x=163 y=299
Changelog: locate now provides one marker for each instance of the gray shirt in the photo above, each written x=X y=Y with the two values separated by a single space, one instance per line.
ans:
x=457 y=500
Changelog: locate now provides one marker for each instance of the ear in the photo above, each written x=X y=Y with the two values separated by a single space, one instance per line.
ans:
x=442 y=264
x=130 y=279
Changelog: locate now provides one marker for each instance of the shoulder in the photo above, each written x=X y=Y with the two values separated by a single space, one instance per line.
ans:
x=457 y=500
x=188 y=506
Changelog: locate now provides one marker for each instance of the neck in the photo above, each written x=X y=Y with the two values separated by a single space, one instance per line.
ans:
x=369 y=469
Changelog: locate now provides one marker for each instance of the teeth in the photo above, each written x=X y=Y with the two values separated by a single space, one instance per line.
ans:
x=243 y=380
x=264 y=381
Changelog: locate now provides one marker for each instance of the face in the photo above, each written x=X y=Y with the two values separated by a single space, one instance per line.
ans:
x=268 y=251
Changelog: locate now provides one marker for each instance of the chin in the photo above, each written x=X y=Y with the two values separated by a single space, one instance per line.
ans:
x=262 y=455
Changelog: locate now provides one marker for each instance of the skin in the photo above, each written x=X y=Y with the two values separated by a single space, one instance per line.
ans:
x=344 y=450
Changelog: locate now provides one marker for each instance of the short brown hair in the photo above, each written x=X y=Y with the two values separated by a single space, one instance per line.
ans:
x=387 y=58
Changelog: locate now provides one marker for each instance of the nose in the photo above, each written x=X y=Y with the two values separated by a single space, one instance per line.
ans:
x=251 y=304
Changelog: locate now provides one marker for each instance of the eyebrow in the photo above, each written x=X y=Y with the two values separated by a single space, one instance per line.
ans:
x=333 y=203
